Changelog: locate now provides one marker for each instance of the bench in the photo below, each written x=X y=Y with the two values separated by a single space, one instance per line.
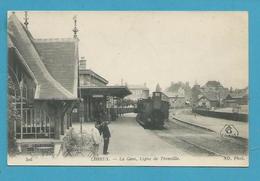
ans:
x=44 y=146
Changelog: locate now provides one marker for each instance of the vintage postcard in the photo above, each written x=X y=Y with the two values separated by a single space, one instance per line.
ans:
x=128 y=88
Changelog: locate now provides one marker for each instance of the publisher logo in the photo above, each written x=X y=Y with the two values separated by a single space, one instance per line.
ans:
x=229 y=130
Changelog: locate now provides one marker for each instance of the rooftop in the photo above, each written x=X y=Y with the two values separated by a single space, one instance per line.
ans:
x=92 y=73
x=214 y=96
x=60 y=58
x=143 y=87
x=118 y=91
x=213 y=83
x=237 y=95
x=53 y=62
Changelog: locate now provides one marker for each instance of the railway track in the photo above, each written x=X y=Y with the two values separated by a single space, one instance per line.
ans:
x=198 y=142
x=202 y=148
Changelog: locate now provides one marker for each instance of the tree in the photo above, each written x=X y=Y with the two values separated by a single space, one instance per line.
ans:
x=12 y=116
x=175 y=87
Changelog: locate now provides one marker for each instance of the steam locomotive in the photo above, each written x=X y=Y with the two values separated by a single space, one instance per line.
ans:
x=153 y=112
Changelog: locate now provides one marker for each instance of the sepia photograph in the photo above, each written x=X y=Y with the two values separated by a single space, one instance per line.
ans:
x=128 y=88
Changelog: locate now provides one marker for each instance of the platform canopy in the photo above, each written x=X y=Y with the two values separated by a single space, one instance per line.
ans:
x=94 y=91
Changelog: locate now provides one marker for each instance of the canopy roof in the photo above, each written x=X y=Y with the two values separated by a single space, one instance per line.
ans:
x=117 y=91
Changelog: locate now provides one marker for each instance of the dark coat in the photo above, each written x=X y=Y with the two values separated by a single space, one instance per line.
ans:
x=106 y=131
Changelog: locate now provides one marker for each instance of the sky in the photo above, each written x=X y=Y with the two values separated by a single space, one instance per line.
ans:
x=155 y=47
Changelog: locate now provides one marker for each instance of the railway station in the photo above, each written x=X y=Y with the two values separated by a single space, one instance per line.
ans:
x=56 y=101
x=97 y=96
x=47 y=105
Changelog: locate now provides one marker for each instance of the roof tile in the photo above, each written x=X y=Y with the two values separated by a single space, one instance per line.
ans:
x=48 y=87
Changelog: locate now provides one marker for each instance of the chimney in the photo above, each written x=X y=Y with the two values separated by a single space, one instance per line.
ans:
x=82 y=63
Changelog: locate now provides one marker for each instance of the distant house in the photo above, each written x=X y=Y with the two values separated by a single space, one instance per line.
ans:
x=236 y=98
x=212 y=86
x=176 y=99
x=138 y=92
x=208 y=100
x=212 y=94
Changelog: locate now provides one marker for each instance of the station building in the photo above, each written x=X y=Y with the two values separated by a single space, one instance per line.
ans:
x=44 y=75
x=97 y=96
x=47 y=88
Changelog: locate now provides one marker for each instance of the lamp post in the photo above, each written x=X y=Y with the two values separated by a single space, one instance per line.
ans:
x=81 y=102
x=21 y=105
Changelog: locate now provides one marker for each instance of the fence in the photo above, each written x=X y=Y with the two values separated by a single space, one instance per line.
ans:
x=35 y=123
x=223 y=115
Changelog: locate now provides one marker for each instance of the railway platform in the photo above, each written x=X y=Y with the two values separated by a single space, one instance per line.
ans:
x=129 y=138
x=214 y=124
x=131 y=141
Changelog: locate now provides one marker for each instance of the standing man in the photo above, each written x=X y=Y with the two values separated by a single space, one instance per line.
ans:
x=106 y=136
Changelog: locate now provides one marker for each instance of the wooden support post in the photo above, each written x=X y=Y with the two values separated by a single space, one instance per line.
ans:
x=26 y=121
x=21 y=120
x=45 y=122
x=31 y=120
x=88 y=107
x=15 y=129
x=35 y=122
x=40 y=120
x=57 y=129
x=49 y=120
x=68 y=120
x=21 y=127
x=62 y=120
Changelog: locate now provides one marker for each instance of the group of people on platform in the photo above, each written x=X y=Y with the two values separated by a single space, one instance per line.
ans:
x=101 y=129
x=102 y=118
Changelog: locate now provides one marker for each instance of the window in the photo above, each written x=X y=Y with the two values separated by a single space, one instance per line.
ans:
x=25 y=93
x=157 y=94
